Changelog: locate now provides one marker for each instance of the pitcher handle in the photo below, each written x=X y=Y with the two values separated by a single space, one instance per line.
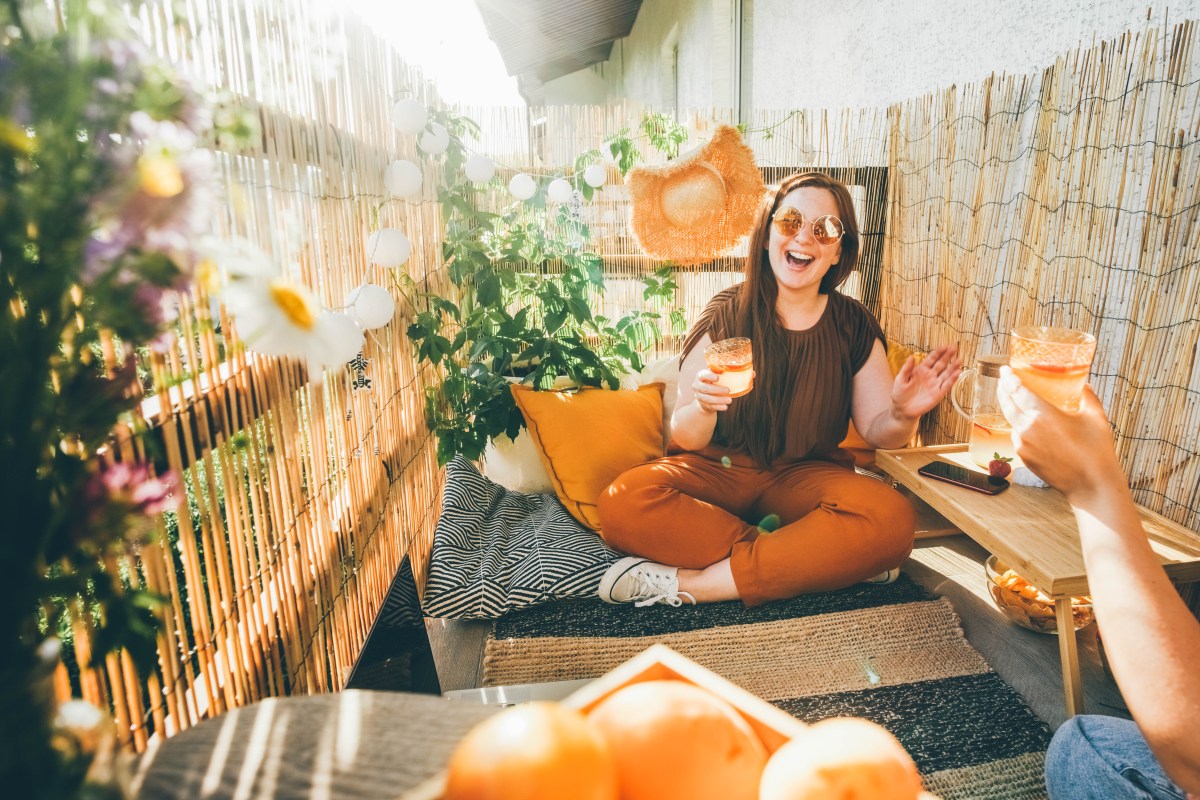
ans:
x=954 y=394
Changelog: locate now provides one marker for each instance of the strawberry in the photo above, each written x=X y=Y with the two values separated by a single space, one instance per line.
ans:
x=999 y=467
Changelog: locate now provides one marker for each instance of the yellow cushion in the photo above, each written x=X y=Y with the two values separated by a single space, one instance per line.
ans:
x=864 y=454
x=588 y=437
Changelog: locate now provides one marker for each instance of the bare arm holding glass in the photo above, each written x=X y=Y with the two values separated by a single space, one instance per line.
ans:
x=1151 y=638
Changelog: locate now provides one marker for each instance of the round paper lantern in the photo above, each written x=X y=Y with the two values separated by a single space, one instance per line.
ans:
x=479 y=169
x=559 y=190
x=371 y=306
x=434 y=140
x=522 y=186
x=388 y=247
x=409 y=116
x=402 y=178
x=343 y=338
x=595 y=175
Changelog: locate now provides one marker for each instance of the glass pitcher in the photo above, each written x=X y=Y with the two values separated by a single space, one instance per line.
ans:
x=990 y=432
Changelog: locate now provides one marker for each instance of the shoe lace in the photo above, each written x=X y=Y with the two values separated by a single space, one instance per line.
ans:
x=654 y=586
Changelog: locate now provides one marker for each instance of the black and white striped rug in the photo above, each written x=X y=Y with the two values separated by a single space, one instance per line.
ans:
x=893 y=654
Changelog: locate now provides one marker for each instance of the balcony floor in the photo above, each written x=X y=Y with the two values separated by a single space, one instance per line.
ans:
x=951 y=566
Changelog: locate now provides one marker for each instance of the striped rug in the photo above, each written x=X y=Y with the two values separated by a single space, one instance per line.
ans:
x=894 y=654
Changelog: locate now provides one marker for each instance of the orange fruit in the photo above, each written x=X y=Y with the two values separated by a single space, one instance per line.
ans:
x=535 y=751
x=672 y=739
x=843 y=757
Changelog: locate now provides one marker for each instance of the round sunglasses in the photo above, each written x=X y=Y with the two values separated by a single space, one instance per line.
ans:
x=826 y=229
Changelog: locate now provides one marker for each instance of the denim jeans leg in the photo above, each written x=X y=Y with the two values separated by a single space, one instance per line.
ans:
x=1094 y=757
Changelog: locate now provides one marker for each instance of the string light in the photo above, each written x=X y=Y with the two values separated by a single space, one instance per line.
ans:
x=402 y=178
x=409 y=116
x=522 y=186
x=388 y=247
x=371 y=306
x=595 y=175
x=479 y=169
x=434 y=140
x=559 y=190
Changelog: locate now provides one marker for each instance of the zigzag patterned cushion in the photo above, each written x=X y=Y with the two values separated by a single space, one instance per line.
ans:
x=496 y=551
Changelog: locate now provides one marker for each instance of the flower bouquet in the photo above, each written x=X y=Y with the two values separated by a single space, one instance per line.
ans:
x=106 y=187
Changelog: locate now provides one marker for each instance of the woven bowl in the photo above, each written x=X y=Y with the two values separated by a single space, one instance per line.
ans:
x=1025 y=604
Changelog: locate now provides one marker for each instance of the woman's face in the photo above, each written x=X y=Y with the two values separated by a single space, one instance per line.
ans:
x=799 y=262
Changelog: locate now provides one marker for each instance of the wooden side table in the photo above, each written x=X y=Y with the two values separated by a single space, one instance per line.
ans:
x=1034 y=532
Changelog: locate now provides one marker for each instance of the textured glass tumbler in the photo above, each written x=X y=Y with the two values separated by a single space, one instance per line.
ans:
x=1053 y=362
x=733 y=362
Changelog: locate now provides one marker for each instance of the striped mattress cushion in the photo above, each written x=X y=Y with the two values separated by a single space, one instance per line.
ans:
x=495 y=550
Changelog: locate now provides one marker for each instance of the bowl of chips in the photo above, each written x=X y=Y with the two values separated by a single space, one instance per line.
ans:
x=1027 y=605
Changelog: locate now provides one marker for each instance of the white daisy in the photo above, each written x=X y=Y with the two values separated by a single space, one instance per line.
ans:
x=278 y=317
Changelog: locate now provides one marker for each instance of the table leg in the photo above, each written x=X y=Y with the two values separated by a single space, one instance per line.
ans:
x=1069 y=655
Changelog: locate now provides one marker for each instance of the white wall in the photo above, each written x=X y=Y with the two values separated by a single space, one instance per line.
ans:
x=873 y=52
x=639 y=68
x=586 y=87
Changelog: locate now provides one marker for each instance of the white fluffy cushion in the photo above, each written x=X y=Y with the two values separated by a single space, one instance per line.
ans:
x=516 y=464
x=665 y=371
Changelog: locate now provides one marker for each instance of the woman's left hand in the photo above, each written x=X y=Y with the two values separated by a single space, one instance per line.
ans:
x=920 y=387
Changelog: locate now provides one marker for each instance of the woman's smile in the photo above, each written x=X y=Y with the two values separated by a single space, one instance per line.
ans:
x=799 y=260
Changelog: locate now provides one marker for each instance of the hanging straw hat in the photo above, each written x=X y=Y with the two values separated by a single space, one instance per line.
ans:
x=697 y=206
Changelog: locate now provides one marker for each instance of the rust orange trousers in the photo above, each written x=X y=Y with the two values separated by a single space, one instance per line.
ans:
x=834 y=526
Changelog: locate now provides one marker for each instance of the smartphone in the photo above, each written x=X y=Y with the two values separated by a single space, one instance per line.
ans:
x=961 y=476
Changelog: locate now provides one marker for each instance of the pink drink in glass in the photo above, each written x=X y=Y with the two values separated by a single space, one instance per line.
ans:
x=1053 y=363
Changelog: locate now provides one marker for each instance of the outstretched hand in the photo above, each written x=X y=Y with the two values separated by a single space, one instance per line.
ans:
x=921 y=386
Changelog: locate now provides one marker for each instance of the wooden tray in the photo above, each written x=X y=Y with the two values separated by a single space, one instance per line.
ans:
x=659 y=662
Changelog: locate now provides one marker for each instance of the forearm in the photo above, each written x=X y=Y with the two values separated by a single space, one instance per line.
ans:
x=692 y=427
x=1151 y=638
x=890 y=429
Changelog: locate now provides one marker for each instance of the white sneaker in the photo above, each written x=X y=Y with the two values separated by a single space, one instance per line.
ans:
x=642 y=582
x=889 y=576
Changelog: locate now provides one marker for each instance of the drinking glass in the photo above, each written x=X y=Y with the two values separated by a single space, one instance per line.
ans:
x=732 y=361
x=1053 y=363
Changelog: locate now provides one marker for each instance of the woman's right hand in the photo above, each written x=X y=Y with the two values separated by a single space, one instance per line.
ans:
x=710 y=395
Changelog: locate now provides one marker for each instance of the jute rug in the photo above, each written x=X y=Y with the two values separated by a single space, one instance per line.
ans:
x=893 y=654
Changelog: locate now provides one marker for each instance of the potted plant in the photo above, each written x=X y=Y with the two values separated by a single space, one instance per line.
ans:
x=524 y=289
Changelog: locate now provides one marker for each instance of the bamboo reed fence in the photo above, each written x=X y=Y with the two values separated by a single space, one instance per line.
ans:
x=1071 y=198
x=1068 y=197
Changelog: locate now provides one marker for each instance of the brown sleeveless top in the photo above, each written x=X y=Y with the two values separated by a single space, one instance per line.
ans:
x=822 y=362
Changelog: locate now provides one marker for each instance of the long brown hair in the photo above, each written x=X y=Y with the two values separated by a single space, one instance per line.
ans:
x=752 y=423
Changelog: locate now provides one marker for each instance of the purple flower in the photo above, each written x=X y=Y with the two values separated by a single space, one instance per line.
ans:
x=136 y=218
x=134 y=486
x=157 y=305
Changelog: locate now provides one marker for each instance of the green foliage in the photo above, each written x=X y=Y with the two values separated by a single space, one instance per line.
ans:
x=522 y=308
x=664 y=133
x=622 y=148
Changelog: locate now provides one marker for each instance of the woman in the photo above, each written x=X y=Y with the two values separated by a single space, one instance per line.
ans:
x=698 y=521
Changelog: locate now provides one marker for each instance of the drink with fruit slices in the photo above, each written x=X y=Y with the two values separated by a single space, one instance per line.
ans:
x=991 y=437
x=732 y=361
x=1053 y=363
